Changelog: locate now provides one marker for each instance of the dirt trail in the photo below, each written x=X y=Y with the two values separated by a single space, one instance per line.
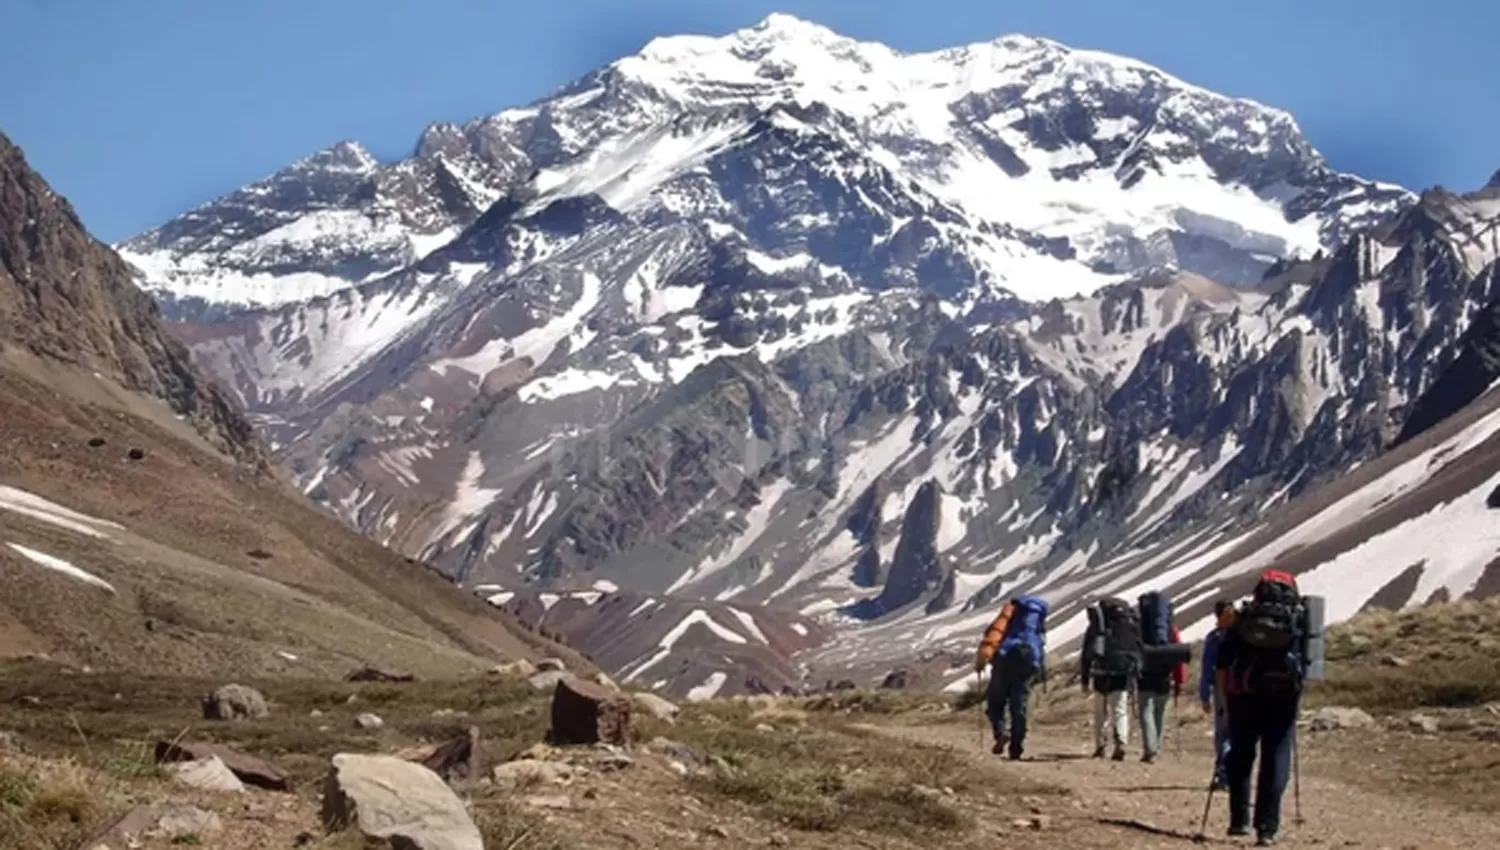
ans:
x=1170 y=794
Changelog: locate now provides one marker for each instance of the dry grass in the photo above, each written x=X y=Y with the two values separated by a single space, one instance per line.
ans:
x=52 y=805
x=1437 y=656
x=828 y=775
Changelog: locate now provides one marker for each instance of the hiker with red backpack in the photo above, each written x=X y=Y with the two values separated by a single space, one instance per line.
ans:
x=1261 y=665
x=1164 y=660
x=1015 y=647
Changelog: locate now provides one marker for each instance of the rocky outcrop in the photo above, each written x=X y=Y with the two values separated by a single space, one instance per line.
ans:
x=916 y=568
x=70 y=299
x=455 y=760
x=400 y=802
x=586 y=713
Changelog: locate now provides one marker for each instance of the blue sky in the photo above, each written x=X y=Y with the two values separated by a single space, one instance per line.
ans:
x=138 y=110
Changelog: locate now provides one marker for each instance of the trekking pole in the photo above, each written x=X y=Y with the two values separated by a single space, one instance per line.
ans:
x=1207 y=807
x=979 y=689
x=1296 y=779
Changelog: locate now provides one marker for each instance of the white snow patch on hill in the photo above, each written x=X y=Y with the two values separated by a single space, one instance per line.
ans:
x=42 y=559
x=34 y=506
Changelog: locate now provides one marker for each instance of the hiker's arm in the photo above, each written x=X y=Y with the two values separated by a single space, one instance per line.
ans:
x=1086 y=657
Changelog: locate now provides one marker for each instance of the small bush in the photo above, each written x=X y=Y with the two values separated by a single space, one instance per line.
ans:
x=46 y=807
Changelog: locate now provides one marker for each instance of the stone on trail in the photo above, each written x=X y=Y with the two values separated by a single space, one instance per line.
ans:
x=528 y=772
x=249 y=769
x=1424 y=723
x=235 y=702
x=210 y=774
x=174 y=823
x=1330 y=718
x=585 y=713
x=368 y=721
x=404 y=803
x=552 y=664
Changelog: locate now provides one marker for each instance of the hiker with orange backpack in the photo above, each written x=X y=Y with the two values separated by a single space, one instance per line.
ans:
x=1014 y=646
x=1260 y=667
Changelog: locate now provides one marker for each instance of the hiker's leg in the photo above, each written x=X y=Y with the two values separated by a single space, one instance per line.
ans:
x=994 y=702
x=1221 y=737
x=1244 y=731
x=1101 y=720
x=1277 y=729
x=1020 y=696
x=1149 y=732
x=1119 y=710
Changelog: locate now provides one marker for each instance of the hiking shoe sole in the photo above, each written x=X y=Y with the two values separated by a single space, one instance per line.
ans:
x=1118 y=756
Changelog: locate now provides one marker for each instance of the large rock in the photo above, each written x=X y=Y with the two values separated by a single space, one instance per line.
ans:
x=235 y=702
x=661 y=709
x=454 y=760
x=586 y=713
x=401 y=802
x=210 y=774
x=1334 y=717
x=249 y=769
x=547 y=679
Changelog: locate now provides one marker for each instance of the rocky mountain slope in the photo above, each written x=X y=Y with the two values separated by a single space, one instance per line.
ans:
x=812 y=329
x=141 y=527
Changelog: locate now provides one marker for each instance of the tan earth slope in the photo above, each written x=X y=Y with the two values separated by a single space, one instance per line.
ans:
x=141 y=526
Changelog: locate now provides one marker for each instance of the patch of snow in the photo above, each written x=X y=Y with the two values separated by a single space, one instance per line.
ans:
x=51 y=562
x=748 y=621
x=34 y=506
x=710 y=687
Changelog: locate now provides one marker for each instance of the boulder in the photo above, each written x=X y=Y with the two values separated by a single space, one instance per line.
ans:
x=1334 y=717
x=547 y=679
x=368 y=721
x=661 y=709
x=247 y=768
x=896 y=680
x=235 y=702
x=556 y=664
x=210 y=774
x=518 y=669
x=585 y=713
x=454 y=760
x=401 y=802
x=375 y=674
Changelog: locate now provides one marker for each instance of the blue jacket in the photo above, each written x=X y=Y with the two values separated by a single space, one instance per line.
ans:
x=1210 y=656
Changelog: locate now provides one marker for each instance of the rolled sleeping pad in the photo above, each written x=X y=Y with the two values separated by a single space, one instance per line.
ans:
x=1167 y=654
x=1316 y=648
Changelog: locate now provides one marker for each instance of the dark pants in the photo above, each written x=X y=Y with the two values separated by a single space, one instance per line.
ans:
x=1267 y=721
x=1010 y=689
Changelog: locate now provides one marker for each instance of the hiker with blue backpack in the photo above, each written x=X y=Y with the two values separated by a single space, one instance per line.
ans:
x=1164 y=660
x=1015 y=648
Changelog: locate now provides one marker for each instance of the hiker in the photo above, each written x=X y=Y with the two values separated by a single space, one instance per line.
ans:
x=1260 y=668
x=1110 y=663
x=1161 y=674
x=1210 y=695
x=1015 y=647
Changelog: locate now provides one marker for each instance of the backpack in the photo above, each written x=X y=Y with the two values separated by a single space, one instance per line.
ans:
x=1156 y=618
x=1119 y=629
x=1272 y=628
x=1024 y=644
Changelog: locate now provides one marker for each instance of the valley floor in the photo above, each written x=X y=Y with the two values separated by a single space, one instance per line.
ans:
x=885 y=770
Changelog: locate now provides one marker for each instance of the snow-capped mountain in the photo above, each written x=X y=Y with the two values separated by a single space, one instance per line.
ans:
x=799 y=327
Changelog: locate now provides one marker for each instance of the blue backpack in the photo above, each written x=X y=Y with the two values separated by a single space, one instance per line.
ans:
x=1025 y=641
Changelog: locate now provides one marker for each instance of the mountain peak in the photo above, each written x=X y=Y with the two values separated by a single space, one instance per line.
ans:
x=347 y=155
x=1494 y=181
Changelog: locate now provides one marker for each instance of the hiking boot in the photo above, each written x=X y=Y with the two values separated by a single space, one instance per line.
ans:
x=1149 y=758
x=1001 y=743
x=1015 y=755
x=1238 y=829
x=1099 y=753
x=1119 y=754
x=1265 y=839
